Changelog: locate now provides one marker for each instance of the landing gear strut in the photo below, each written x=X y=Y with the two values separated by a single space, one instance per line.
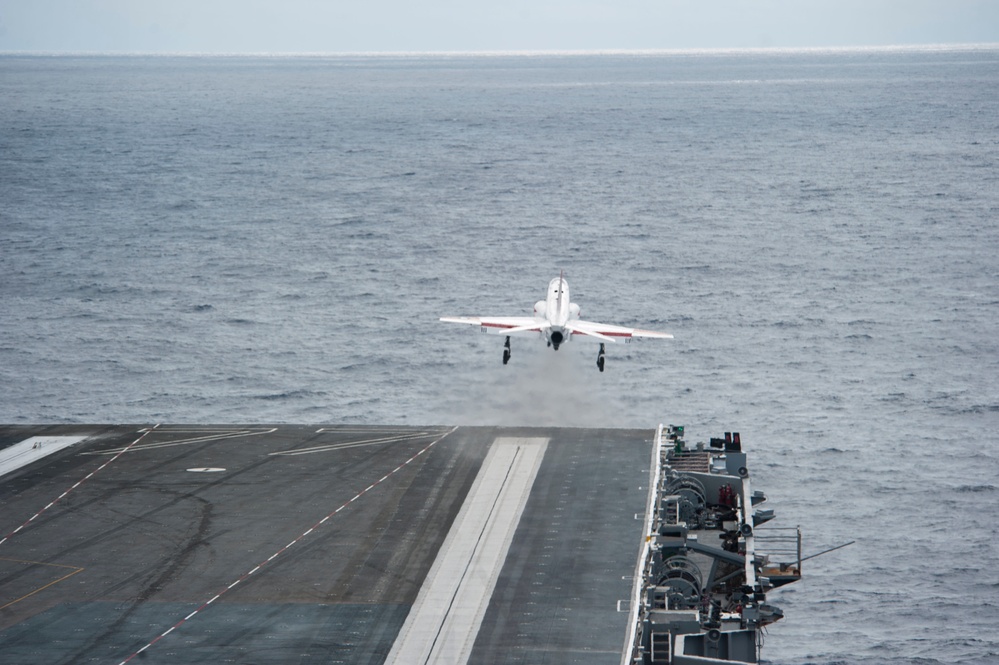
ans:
x=506 y=351
x=600 y=358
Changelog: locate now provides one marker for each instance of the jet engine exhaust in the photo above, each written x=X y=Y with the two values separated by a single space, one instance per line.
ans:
x=557 y=339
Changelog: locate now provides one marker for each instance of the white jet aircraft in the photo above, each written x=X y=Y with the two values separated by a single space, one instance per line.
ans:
x=557 y=319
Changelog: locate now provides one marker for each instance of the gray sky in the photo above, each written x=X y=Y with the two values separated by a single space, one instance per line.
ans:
x=297 y=26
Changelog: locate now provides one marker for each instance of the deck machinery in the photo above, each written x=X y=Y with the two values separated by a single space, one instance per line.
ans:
x=700 y=593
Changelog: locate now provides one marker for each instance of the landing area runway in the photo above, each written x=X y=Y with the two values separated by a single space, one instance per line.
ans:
x=318 y=544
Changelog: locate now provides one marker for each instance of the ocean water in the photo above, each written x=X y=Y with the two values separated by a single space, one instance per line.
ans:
x=272 y=239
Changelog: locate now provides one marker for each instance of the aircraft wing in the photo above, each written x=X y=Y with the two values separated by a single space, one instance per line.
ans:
x=605 y=332
x=501 y=325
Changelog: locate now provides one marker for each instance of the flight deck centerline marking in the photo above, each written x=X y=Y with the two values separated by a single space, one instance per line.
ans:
x=78 y=483
x=246 y=575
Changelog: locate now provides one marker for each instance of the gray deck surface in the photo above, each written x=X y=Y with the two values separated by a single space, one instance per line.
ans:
x=145 y=542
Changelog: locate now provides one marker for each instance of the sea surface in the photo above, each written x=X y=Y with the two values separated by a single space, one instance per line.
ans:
x=272 y=239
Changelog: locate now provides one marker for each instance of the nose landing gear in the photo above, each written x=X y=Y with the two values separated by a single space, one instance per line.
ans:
x=506 y=351
x=600 y=358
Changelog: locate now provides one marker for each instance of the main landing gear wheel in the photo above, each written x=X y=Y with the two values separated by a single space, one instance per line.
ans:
x=600 y=358
x=506 y=351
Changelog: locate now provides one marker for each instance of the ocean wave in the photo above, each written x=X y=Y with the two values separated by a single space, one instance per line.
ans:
x=291 y=395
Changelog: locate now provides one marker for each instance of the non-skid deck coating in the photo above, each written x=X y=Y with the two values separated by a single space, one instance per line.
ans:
x=297 y=544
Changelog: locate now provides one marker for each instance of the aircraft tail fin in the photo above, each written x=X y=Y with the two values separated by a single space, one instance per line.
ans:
x=561 y=281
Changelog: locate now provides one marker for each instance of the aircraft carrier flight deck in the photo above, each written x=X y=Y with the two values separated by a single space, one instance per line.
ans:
x=311 y=544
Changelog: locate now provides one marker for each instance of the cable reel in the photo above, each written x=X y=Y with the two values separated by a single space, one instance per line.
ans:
x=691 y=499
x=683 y=581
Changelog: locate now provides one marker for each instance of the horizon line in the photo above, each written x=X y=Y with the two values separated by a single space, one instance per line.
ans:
x=723 y=50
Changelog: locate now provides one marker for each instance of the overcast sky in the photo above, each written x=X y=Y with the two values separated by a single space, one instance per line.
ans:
x=297 y=26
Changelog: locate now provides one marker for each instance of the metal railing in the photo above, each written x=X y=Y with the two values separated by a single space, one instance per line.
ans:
x=781 y=544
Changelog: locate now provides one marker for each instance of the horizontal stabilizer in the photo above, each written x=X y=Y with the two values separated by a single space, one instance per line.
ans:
x=589 y=333
x=537 y=327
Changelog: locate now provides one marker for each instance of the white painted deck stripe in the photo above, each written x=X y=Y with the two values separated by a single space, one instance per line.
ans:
x=444 y=620
x=30 y=450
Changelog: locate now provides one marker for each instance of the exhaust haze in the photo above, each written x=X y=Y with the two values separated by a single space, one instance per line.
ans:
x=539 y=388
